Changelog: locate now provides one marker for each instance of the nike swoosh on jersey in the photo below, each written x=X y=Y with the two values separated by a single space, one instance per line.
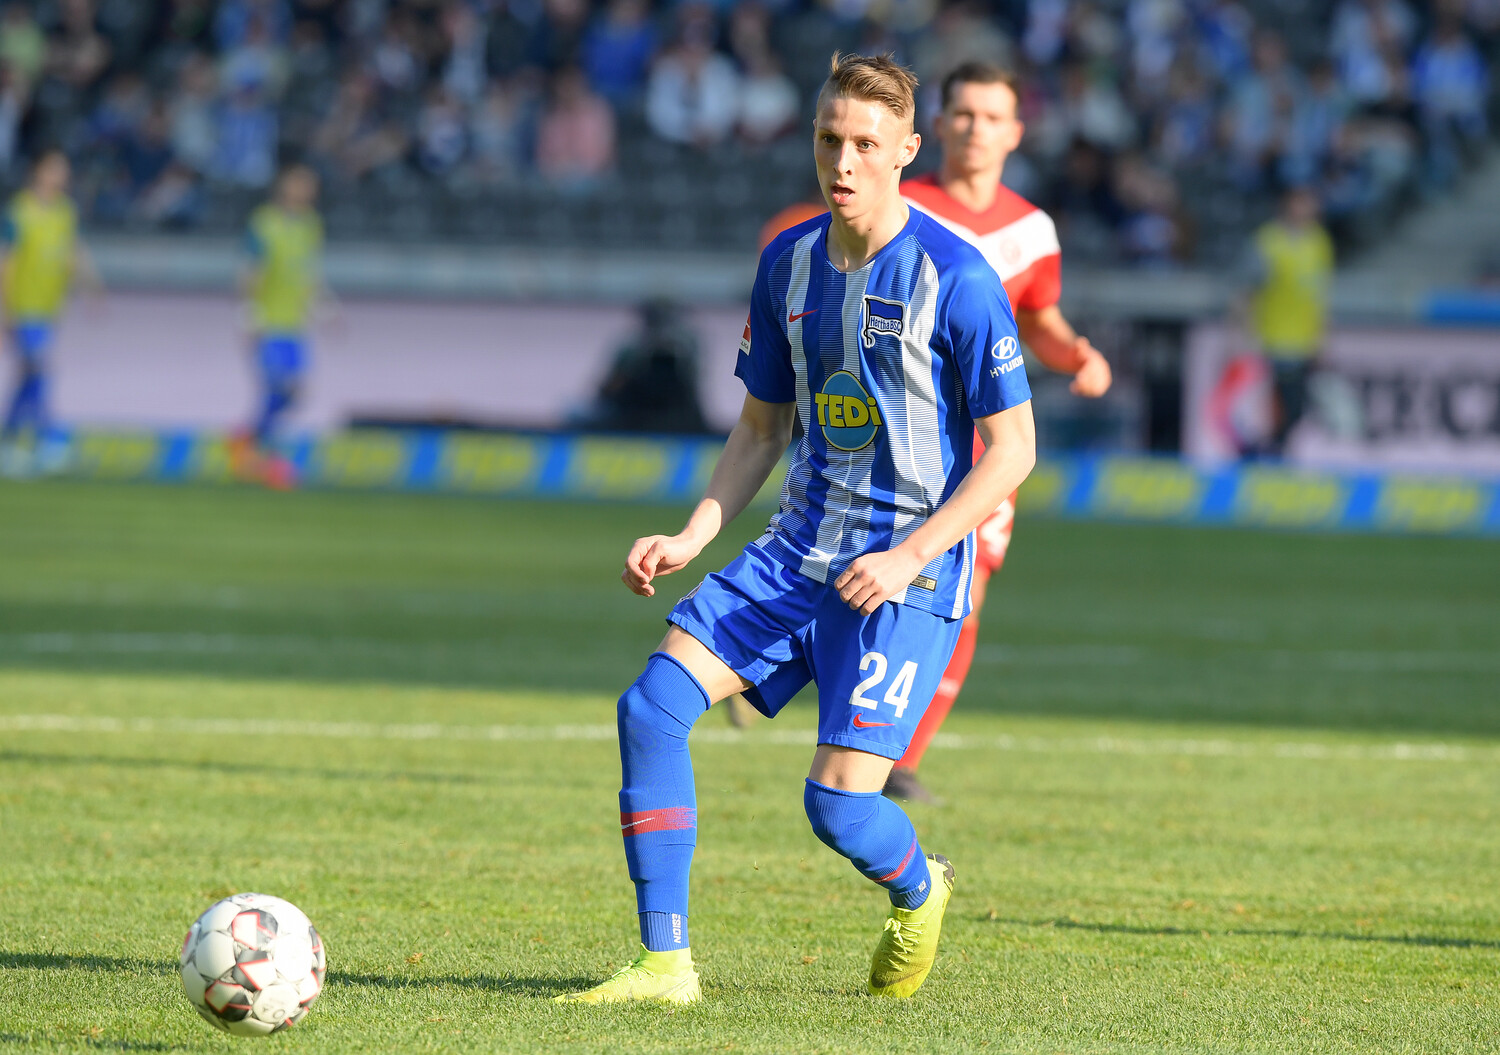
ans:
x=860 y=723
x=800 y=315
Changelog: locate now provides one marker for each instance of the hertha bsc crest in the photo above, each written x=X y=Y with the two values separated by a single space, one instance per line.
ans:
x=883 y=317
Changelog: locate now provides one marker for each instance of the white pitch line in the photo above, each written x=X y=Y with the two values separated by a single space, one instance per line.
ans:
x=1300 y=750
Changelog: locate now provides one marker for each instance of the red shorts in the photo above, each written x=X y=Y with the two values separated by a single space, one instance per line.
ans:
x=993 y=536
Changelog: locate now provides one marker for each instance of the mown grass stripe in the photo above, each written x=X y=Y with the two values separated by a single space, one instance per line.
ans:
x=1301 y=750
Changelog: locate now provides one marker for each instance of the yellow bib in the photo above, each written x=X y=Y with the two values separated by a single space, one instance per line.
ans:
x=39 y=260
x=1290 y=309
x=287 y=249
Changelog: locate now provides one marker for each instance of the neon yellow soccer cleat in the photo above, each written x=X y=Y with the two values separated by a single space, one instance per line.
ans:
x=908 y=946
x=667 y=977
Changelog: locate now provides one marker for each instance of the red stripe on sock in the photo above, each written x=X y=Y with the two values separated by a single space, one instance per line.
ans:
x=900 y=867
x=670 y=819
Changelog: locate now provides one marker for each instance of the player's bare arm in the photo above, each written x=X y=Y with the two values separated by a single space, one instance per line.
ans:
x=756 y=444
x=1053 y=340
x=1010 y=453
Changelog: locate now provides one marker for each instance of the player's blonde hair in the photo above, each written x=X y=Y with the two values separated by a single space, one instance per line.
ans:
x=876 y=79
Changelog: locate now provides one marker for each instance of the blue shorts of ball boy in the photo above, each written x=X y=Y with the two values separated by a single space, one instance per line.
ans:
x=779 y=629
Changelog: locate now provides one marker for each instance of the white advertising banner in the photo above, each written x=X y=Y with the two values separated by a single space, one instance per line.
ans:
x=170 y=360
x=1408 y=398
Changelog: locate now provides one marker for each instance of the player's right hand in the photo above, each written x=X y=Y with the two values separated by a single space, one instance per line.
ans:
x=652 y=556
x=1093 y=377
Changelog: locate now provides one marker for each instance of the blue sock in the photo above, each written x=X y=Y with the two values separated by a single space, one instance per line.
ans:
x=278 y=398
x=658 y=805
x=664 y=931
x=26 y=403
x=875 y=835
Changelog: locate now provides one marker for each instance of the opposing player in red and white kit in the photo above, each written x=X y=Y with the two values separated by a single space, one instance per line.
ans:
x=978 y=128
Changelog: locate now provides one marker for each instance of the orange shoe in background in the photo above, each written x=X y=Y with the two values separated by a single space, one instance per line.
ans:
x=278 y=474
x=244 y=458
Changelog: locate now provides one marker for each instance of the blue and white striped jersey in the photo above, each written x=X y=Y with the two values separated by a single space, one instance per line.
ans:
x=888 y=366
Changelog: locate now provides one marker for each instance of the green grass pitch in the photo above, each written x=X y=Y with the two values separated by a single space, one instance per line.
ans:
x=1209 y=791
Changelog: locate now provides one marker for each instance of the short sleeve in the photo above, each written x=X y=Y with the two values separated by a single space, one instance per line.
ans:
x=1044 y=287
x=765 y=360
x=982 y=334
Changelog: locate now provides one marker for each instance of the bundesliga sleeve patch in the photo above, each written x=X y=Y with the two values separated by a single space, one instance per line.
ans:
x=745 y=340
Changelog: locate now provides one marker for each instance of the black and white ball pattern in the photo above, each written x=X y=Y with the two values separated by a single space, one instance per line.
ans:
x=252 y=964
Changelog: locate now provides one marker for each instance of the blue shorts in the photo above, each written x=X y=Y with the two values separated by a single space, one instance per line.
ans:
x=283 y=358
x=778 y=629
x=31 y=338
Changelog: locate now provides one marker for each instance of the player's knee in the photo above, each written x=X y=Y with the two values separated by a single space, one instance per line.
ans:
x=836 y=816
x=664 y=701
x=640 y=718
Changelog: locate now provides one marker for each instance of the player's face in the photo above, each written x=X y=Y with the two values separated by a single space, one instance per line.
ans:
x=978 y=128
x=860 y=148
x=1301 y=208
x=52 y=176
x=299 y=189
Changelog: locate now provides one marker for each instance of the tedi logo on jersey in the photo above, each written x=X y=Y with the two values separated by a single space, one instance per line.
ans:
x=848 y=415
x=1008 y=350
x=883 y=317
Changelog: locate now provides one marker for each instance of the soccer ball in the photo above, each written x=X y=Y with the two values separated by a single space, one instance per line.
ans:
x=252 y=964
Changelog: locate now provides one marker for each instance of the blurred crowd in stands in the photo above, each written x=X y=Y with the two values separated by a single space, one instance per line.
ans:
x=1158 y=131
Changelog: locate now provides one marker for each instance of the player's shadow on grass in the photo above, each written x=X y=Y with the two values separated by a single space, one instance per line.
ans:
x=521 y=986
x=1246 y=932
x=537 y=987
x=239 y=768
x=56 y=961
x=28 y=1041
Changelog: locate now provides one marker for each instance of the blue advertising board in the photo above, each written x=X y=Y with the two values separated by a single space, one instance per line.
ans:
x=668 y=469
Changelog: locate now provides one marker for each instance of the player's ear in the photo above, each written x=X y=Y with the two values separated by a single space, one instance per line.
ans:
x=909 y=150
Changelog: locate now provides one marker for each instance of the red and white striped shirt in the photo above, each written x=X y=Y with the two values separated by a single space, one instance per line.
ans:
x=1018 y=239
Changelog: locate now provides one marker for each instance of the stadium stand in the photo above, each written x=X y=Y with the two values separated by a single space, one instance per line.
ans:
x=1159 y=131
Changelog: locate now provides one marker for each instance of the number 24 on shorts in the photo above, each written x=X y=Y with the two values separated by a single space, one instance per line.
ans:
x=900 y=688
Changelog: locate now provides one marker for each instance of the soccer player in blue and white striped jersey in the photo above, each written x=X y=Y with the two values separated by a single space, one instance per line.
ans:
x=891 y=339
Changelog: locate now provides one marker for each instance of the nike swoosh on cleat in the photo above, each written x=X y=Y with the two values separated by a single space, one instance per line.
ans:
x=860 y=723
x=800 y=315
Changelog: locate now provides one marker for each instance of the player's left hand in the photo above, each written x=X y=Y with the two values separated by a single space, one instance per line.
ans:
x=1094 y=377
x=874 y=578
